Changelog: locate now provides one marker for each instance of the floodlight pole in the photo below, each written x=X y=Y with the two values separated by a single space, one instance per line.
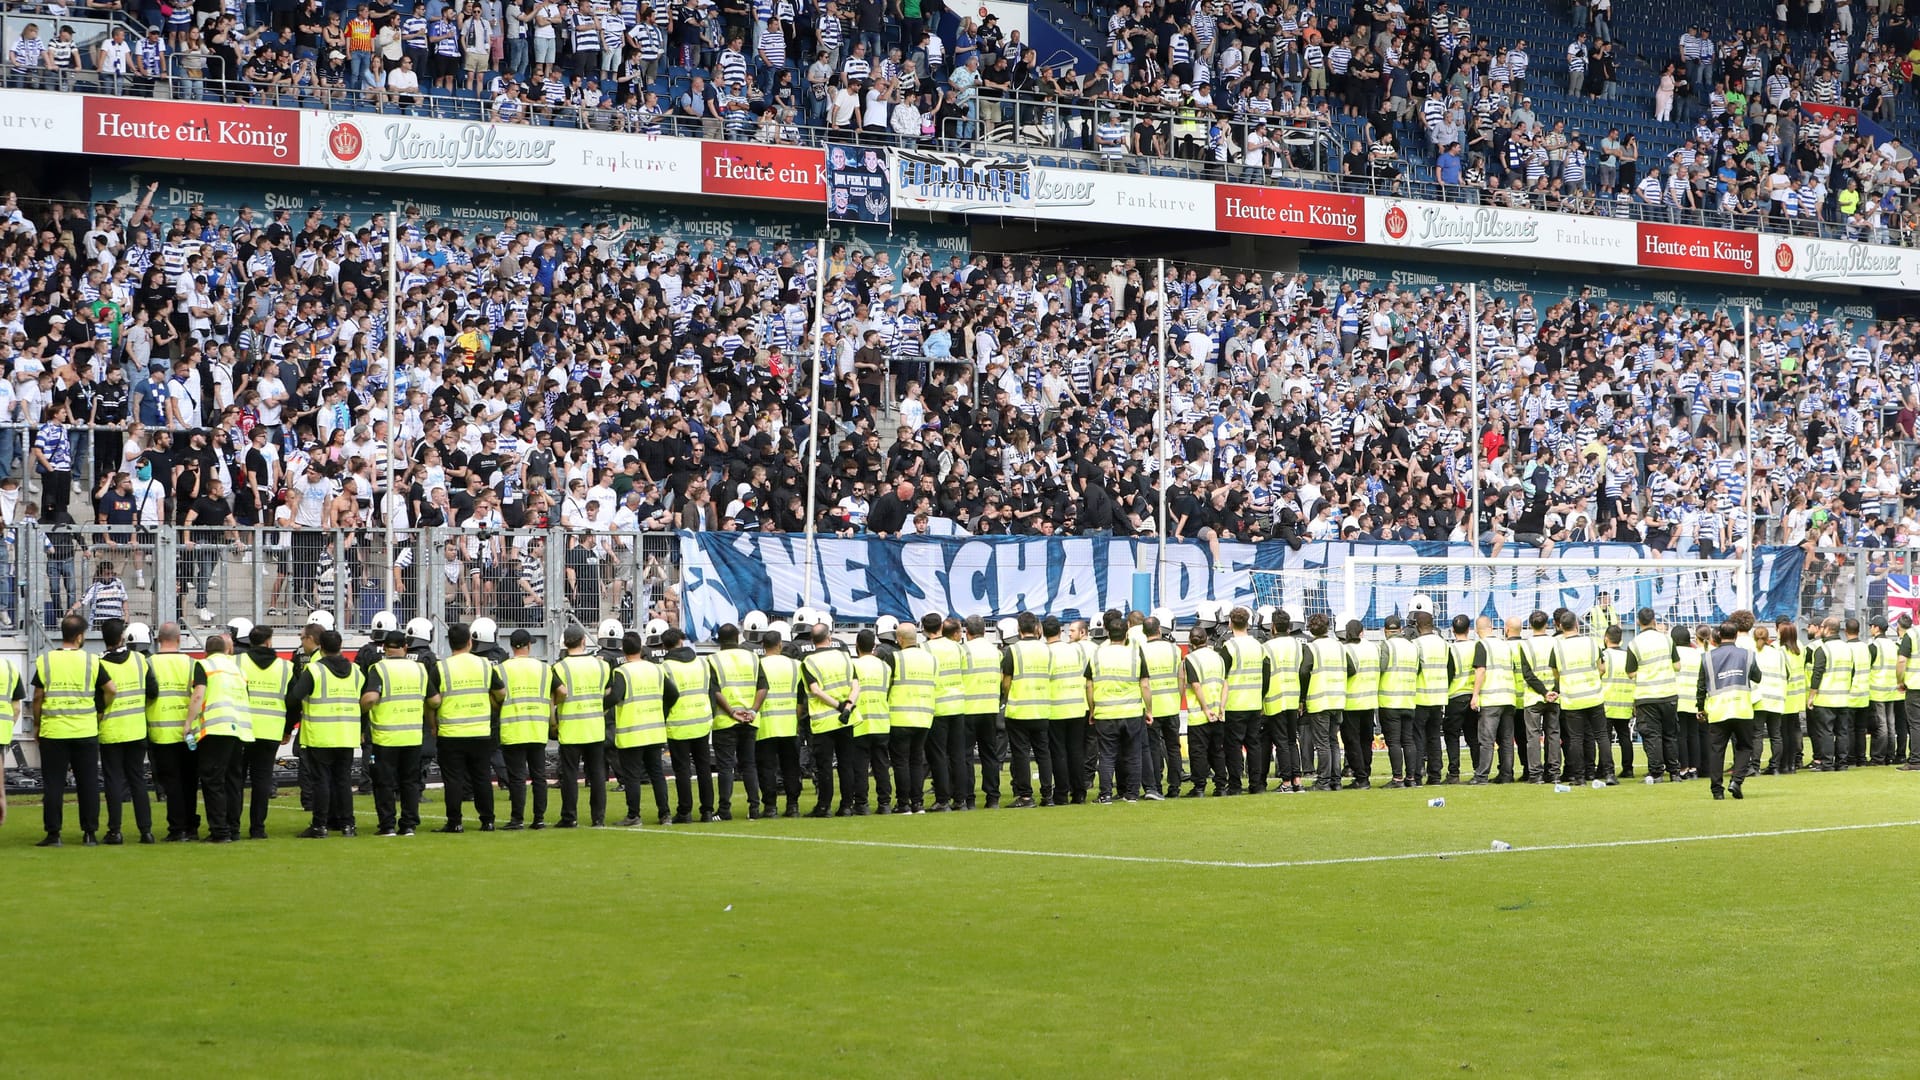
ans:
x=1473 y=410
x=393 y=412
x=1753 y=526
x=812 y=458
x=1160 y=437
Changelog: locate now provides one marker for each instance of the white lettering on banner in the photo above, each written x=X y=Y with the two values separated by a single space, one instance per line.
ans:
x=1053 y=191
x=220 y=133
x=1147 y=200
x=1826 y=262
x=1713 y=250
x=1438 y=227
x=727 y=167
x=1237 y=208
x=471 y=146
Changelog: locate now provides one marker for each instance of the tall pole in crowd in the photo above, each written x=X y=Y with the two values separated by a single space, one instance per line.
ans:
x=811 y=458
x=393 y=411
x=1746 y=497
x=1473 y=409
x=1160 y=437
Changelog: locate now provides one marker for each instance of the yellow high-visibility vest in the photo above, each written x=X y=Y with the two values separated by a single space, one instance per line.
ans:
x=167 y=712
x=67 y=681
x=1162 y=658
x=1283 y=683
x=640 y=718
x=526 y=716
x=1116 y=683
x=910 y=688
x=780 y=712
x=399 y=717
x=1327 y=684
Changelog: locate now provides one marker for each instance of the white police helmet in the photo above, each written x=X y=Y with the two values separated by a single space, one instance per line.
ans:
x=753 y=622
x=1421 y=602
x=383 y=621
x=779 y=626
x=610 y=630
x=240 y=628
x=139 y=633
x=885 y=624
x=485 y=629
x=655 y=628
x=321 y=619
x=1165 y=616
x=421 y=630
x=1009 y=629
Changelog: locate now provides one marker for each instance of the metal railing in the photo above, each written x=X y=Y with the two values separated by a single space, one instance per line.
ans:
x=538 y=579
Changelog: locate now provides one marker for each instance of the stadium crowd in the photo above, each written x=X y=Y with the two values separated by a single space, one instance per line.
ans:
x=1249 y=706
x=1373 y=97
x=211 y=374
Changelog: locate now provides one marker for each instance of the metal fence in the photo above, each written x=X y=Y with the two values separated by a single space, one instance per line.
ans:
x=537 y=579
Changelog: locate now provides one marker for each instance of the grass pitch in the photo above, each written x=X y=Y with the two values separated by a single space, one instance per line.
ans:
x=1106 y=941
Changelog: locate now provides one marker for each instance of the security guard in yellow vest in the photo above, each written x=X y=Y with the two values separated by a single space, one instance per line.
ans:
x=222 y=728
x=1769 y=696
x=980 y=686
x=579 y=692
x=1118 y=688
x=1166 y=767
x=174 y=680
x=1429 y=699
x=1861 y=698
x=1399 y=658
x=1067 y=734
x=947 y=738
x=1026 y=688
x=1203 y=683
x=1830 y=682
x=1689 y=658
x=325 y=699
x=1280 y=708
x=123 y=735
x=1908 y=654
x=911 y=694
x=1361 y=701
x=689 y=727
x=1725 y=687
x=11 y=695
x=736 y=681
x=396 y=695
x=872 y=726
x=1618 y=704
x=1248 y=676
x=1580 y=673
x=1883 y=694
x=71 y=690
x=831 y=693
x=1540 y=741
x=1327 y=669
x=464 y=706
x=639 y=696
x=1495 y=698
x=778 y=703
x=1792 y=722
x=526 y=725
x=1458 y=723
x=1650 y=661
x=268 y=676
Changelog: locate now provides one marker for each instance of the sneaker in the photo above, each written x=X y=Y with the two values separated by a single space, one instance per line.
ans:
x=313 y=832
x=350 y=830
x=113 y=838
x=451 y=827
x=1154 y=796
x=52 y=840
x=258 y=833
x=486 y=826
x=408 y=831
x=388 y=831
x=630 y=821
x=147 y=838
x=513 y=826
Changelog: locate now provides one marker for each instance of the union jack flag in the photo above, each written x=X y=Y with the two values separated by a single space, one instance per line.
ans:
x=1903 y=595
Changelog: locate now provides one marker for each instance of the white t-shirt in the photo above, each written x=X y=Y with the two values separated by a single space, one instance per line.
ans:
x=149 y=499
x=185 y=393
x=271 y=391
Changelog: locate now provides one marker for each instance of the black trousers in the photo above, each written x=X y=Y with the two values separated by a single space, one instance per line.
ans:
x=1123 y=746
x=257 y=760
x=1323 y=728
x=526 y=763
x=1068 y=738
x=637 y=765
x=125 y=766
x=1166 y=766
x=832 y=753
x=1493 y=738
x=177 y=775
x=1283 y=735
x=1458 y=725
x=1622 y=728
x=466 y=767
x=1659 y=726
x=1908 y=715
x=908 y=745
x=1792 y=739
x=733 y=756
x=692 y=760
x=778 y=759
x=1540 y=744
x=396 y=787
x=332 y=768
x=1832 y=730
x=1589 y=755
x=947 y=759
x=1429 y=719
x=1030 y=747
x=220 y=784
x=1356 y=735
x=593 y=755
x=1207 y=756
x=871 y=760
x=81 y=757
x=1693 y=740
x=1244 y=732
x=1399 y=729
x=1738 y=732
x=982 y=733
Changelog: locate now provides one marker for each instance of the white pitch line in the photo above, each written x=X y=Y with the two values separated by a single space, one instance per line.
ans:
x=1229 y=864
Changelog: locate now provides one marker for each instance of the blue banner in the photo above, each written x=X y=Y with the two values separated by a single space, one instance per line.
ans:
x=857 y=185
x=725 y=575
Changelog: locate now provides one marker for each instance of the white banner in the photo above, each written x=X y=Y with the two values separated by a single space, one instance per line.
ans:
x=45 y=123
x=1840 y=262
x=989 y=184
x=1493 y=230
x=495 y=152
